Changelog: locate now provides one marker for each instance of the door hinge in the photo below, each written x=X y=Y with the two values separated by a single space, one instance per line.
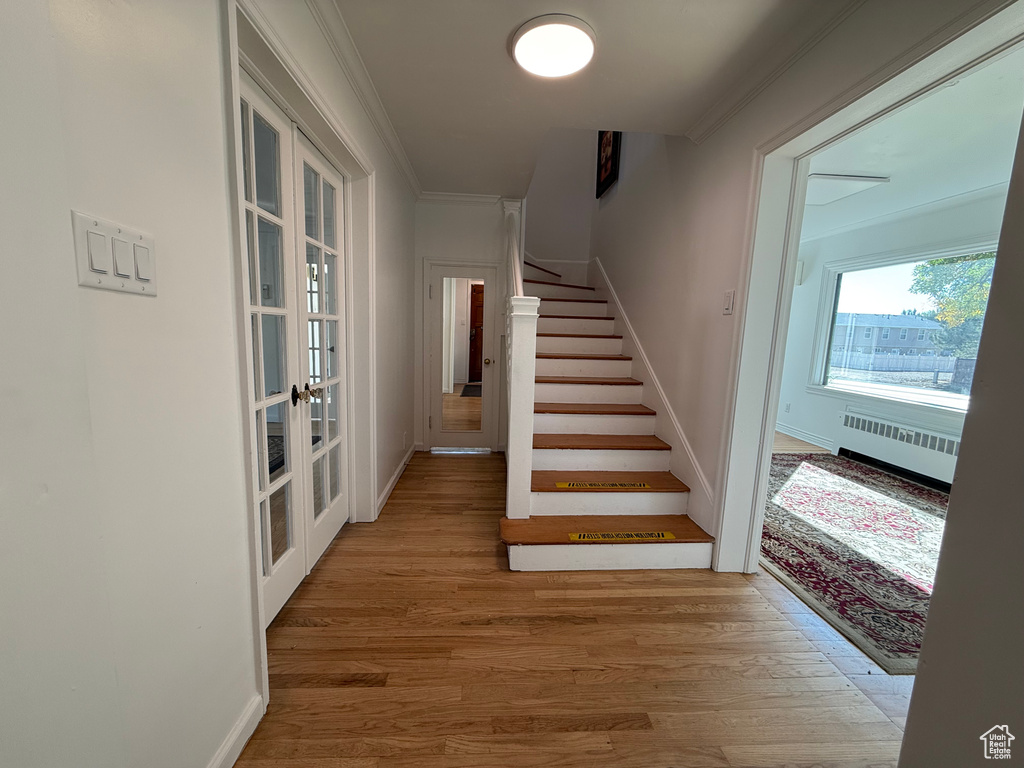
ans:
x=430 y=422
x=430 y=291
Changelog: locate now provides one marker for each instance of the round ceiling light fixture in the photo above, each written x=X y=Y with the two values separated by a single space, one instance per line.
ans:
x=554 y=45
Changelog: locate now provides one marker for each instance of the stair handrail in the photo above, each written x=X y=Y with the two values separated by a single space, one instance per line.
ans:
x=520 y=370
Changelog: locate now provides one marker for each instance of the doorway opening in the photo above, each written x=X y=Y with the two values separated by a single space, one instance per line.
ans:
x=873 y=229
x=462 y=392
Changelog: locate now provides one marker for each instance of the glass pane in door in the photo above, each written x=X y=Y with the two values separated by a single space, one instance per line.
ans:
x=329 y=217
x=313 y=279
x=266 y=157
x=280 y=522
x=330 y=284
x=315 y=351
x=319 y=504
x=273 y=354
x=311 y=188
x=277 y=441
x=271 y=271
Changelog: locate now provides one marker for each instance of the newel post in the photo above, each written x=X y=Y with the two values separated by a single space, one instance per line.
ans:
x=522 y=331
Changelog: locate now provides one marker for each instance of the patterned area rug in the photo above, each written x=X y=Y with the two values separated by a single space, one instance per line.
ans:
x=859 y=546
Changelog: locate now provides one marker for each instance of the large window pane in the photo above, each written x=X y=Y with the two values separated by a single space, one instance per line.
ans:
x=267 y=160
x=910 y=331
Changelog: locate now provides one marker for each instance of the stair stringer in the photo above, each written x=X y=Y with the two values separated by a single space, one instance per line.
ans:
x=684 y=465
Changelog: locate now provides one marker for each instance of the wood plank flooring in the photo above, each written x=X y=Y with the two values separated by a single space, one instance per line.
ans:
x=461 y=413
x=411 y=644
x=786 y=444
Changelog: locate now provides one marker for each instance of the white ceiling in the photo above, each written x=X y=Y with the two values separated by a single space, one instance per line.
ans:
x=472 y=122
x=953 y=141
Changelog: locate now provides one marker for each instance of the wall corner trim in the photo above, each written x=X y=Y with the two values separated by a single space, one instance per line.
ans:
x=239 y=735
x=333 y=26
x=386 y=493
x=457 y=198
x=620 y=313
x=735 y=100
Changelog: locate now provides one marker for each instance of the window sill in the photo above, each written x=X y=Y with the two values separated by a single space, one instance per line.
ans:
x=944 y=402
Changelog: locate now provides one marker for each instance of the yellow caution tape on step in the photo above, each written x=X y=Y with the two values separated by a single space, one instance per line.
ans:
x=602 y=485
x=622 y=536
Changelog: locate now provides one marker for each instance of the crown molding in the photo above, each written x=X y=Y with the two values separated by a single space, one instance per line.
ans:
x=751 y=87
x=331 y=23
x=457 y=198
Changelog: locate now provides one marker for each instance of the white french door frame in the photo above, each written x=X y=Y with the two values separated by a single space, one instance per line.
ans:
x=487 y=436
x=778 y=195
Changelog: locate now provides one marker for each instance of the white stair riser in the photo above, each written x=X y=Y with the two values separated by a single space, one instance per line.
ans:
x=557 y=291
x=607 y=503
x=573 y=325
x=616 y=369
x=601 y=460
x=586 y=393
x=575 y=345
x=532 y=273
x=592 y=424
x=577 y=308
x=608 y=557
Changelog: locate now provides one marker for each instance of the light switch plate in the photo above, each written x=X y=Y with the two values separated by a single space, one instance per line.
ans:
x=116 y=249
x=729 y=302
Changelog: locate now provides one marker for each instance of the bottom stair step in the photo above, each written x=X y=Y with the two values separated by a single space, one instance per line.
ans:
x=607 y=542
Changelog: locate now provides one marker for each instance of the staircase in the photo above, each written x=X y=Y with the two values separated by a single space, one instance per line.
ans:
x=602 y=493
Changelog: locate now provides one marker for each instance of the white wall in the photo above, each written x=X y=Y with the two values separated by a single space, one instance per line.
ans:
x=560 y=203
x=674 y=233
x=126 y=636
x=970 y=676
x=454 y=233
x=813 y=416
x=393 y=276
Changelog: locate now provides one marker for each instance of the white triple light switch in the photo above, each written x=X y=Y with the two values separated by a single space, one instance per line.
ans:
x=113 y=257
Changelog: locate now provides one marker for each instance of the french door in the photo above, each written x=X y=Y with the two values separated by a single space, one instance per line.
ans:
x=295 y=341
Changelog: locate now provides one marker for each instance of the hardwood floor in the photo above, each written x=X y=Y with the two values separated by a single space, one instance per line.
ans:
x=411 y=644
x=786 y=444
x=461 y=413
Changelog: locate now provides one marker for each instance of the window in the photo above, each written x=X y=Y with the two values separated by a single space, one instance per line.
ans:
x=941 y=301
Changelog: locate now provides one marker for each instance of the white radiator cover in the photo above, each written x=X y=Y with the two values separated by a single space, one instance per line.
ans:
x=918 y=449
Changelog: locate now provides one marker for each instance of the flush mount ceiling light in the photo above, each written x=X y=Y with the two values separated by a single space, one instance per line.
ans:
x=554 y=45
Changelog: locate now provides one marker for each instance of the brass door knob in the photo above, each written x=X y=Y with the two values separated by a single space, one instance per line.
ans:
x=487 y=361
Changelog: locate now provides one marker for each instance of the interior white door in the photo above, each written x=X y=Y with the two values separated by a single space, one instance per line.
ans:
x=276 y=426
x=322 y=313
x=463 y=390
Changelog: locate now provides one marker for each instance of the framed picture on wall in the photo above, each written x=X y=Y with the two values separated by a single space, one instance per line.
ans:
x=608 y=145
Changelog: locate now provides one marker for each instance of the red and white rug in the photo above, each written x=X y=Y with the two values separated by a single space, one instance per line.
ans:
x=859 y=546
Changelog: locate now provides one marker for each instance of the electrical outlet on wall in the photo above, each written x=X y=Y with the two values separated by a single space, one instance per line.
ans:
x=786 y=408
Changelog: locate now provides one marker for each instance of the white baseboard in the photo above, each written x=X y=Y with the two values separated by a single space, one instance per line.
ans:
x=650 y=379
x=239 y=735
x=807 y=437
x=608 y=557
x=386 y=494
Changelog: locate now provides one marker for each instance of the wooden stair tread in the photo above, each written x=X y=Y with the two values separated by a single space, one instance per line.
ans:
x=558 y=440
x=576 y=317
x=575 y=301
x=606 y=380
x=555 y=529
x=542 y=269
x=560 y=285
x=579 y=335
x=582 y=356
x=544 y=481
x=609 y=409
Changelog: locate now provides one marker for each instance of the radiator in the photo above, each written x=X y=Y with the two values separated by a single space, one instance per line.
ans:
x=918 y=449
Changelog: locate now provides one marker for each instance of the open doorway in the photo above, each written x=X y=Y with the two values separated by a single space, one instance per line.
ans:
x=462 y=355
x=896 y=253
